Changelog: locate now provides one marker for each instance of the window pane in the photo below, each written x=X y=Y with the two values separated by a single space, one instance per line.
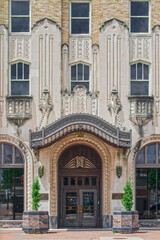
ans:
x=94 y=182
x=74 y=84
x=8 y=154
x=146 y=72
x=73 y=181
x=80 y=72
x=139 y=8
x=151 y=153
x=13 y=71
x=152 y=193
x=73 y=73
x=158 y=153
x=20 y=24
x=140 y=159
x=139 y=25
x=65 y=181
x=139 y=88
x=80 y=10
x=139 y=70
x=26 y=71
x=133 y=71
x=86 y=181
x=20 y=88
x=79 y=180
x=80 y=26
x=11 y=193
x=18 y=157
x=86 y=72
x=0 y=153
x=20 y=8
x=20 y=65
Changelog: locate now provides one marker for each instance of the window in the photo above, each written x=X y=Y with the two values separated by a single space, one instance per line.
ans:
x=11 y=182
x=80 y=18
x=140 y=79
x=80 y=75
x=148 y=182
x=139 y=16
x=20 y=79
x=20 y=16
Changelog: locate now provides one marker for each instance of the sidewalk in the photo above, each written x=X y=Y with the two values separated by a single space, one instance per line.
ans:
x=16 y=234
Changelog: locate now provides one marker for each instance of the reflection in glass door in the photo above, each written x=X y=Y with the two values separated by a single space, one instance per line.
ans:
x=80 y=208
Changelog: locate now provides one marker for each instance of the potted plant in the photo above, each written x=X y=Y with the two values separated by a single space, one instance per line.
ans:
x=35 y=221
x=126 y=221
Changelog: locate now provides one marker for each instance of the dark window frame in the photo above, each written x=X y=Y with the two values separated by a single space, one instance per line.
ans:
x=16 y=16
x=80 y=18
x=138 y=80
x=20 y=80
x=140 y=17
x=82 y=81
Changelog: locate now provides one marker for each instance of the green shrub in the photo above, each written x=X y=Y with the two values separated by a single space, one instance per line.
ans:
x=35 y=194
x=127 y=199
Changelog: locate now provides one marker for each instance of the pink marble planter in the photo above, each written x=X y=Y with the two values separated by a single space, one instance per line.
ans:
x=125 y=221
x=35 y=222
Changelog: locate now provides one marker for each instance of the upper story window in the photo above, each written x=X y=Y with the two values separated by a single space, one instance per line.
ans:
x=140 y=79
x=19 y=79
x=9 y=154
x=80 y=18
x=20 y=20
x=80 y=75
x=139 y=16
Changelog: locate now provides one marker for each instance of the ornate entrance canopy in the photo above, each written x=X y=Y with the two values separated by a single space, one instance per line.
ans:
x=80 y=122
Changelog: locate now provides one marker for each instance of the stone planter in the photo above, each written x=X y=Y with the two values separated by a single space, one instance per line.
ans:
x=125 y=222
x=35 y=222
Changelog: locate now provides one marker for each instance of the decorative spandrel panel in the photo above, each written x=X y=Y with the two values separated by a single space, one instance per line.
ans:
x=20 y=48
x=80 y=49
x=140 y=49
x=79 y=101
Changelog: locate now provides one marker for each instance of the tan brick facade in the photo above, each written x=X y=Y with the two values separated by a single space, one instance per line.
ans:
x=4 y=12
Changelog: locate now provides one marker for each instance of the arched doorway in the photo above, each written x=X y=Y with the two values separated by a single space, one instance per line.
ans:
x=80 y=172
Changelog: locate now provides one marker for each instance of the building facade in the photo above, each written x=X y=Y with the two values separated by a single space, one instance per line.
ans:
x=80 y=108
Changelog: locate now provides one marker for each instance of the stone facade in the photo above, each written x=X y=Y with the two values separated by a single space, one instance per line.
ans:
x=50 y=51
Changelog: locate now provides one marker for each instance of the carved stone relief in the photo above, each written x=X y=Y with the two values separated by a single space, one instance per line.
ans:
x=80 y=49
x=100 y=147
x=140 y=49
x=80 y=162
x=79 y=101
x=20 y=48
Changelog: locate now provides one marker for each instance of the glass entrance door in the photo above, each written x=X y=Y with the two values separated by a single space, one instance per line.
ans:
x=80 y=208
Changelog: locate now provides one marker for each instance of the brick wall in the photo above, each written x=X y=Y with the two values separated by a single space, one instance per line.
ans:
x=4 y=12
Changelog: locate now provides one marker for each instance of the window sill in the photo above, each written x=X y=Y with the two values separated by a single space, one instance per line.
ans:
x=140 y=34
x=20 y=34
x=80 y=35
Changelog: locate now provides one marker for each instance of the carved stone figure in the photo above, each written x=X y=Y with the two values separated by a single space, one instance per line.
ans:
x=45 y=106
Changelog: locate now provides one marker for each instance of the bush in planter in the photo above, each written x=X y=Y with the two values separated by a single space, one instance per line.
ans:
x=36 y=196
x=126 y=221
x=127 y=199
x=35 y=221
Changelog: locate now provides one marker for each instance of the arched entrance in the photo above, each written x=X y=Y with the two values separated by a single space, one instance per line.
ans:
x=80 y=171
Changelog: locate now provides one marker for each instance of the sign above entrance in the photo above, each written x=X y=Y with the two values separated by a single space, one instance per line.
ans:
x=80 y=162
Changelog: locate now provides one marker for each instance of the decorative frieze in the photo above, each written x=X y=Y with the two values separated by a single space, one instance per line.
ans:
x=79 y=101
x=20 y=48
x=80 y=49
x=140 y=49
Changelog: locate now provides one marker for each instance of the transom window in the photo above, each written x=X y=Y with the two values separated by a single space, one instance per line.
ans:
x=10 y=155
x=20 y=79
x=148 y=182
x=80 y=18
x=139 y=16
x=140 y=79
x=20 y=16
x=80 y=75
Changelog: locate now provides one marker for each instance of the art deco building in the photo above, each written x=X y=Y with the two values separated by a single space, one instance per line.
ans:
x=80 y=107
